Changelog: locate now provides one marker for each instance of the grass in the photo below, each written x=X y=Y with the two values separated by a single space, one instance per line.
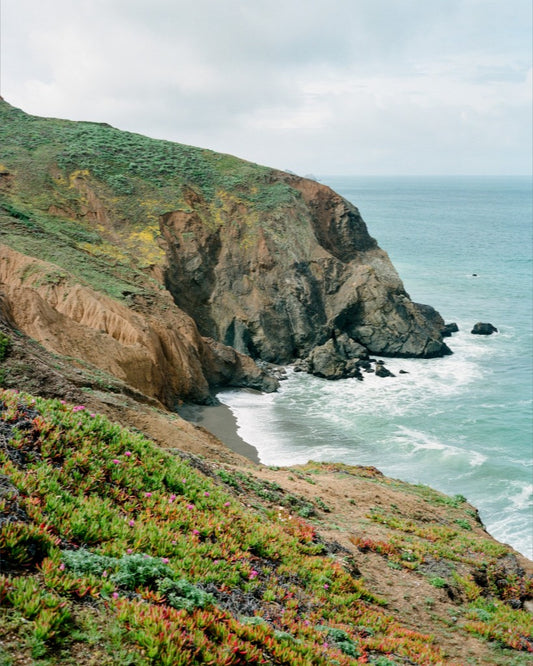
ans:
x=109 y=536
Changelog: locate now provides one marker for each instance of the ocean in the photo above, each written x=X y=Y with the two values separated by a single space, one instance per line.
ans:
x=462 y=424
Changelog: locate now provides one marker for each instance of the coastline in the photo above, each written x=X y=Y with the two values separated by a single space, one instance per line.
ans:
x=220 y=422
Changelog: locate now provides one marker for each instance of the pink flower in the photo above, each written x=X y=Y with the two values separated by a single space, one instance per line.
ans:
x=104 y=574
x=227 y=503
x=172 y=498
x=148 y=494
x=78 y=408
x=63 y=402
x=190 y=507
x=195 y=532
x=115 y=595
x=165 y=560
x=131 y=523
x=127 y=454
x=174 y=542
x=253 y=573
x=93 y=415
x=62 y=567
x=206 y=494
x=115 y=461
x=129 y=551
x=326 y=586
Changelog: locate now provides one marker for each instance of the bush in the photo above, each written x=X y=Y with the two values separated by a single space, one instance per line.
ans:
x=5 y=344
x=184 y=595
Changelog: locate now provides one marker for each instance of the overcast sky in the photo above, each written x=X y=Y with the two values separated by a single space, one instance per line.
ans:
x=314 y=86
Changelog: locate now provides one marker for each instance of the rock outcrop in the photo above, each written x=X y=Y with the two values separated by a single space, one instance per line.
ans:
x=276 y=288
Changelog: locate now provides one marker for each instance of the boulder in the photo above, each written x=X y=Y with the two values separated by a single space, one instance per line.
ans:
x=448 y=329
x=338 y=358
x=382 y=371
x=483 y=328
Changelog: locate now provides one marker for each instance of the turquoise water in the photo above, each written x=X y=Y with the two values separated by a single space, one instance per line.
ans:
x=464 y=423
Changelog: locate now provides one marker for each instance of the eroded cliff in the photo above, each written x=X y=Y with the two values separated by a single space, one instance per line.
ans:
x=171 y=267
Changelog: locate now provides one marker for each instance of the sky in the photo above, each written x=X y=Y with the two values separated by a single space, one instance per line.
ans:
x=354 y=87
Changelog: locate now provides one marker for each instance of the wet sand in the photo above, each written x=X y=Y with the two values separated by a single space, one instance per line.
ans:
x=219 y=420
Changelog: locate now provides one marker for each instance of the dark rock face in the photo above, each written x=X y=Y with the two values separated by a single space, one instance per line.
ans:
x=275 y=284
x=482 y=328
x=337 y=358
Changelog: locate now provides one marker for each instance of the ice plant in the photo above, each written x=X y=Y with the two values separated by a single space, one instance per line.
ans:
x=163 y=609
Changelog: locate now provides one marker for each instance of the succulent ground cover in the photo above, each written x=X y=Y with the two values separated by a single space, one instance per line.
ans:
x=118 y=550
x=111 y=545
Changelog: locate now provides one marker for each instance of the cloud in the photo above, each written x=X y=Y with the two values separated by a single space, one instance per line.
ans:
x=334 y=86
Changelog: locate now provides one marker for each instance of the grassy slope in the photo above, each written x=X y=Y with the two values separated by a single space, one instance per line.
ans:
x=126 y=554
x=55 y=171
x=76 y=483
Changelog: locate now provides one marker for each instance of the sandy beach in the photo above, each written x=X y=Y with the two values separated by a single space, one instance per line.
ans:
x=219 y=420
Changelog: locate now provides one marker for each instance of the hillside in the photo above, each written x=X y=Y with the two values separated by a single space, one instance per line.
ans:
x=117 y=551
x=133 y=255
x=136 y=274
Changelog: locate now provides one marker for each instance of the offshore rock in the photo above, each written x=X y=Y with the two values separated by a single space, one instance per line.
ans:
x=275 y=284
x=483 y=328
x=382 y=371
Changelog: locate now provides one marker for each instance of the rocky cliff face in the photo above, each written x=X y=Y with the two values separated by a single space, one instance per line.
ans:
x=171 y=267
x=278 y=288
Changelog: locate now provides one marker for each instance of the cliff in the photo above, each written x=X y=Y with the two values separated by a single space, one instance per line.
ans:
x=275 y=282
x=171 y=267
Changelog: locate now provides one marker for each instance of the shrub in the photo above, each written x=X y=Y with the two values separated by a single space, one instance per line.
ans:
x=438 y=582
x=182 y=594
x=5 y=344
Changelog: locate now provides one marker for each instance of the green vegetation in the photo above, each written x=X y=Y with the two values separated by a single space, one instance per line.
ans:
x=89 y=198
x=5 y=343
x=110 y=543
x=269 y=491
